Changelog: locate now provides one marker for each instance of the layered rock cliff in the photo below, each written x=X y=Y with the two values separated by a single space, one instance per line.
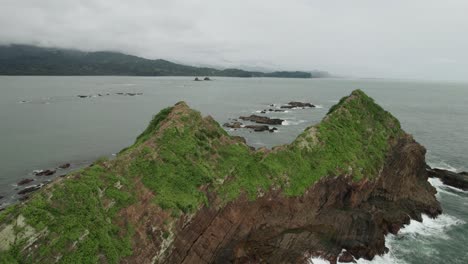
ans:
x=187 y=192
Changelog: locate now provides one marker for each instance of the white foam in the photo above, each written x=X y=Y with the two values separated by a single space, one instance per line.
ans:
x=443 y=165
x=388 y=258
x=292 y=122
x=318 y=261
x=430 y=226
x=319 y=106
x=442 y=188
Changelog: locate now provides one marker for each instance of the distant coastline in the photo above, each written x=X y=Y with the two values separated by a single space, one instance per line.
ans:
x=30 y=60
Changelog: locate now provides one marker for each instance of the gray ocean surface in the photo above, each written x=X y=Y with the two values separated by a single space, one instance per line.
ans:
x=43 y=123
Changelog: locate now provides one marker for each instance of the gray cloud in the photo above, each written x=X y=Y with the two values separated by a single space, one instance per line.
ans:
x=364 y=38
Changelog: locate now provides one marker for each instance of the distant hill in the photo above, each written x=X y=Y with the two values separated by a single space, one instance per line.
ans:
x=32 y=60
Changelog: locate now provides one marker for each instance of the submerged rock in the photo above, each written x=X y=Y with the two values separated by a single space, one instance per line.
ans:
x=207 y=79
x=65 y=166
x=458 y=180
x=196 y=79
x=262 y=119
x=233 y=125
x=44 y=172
x=258 y=128
x=271 y=110
x=188 y=192
x=297 y=105
x=24 y=181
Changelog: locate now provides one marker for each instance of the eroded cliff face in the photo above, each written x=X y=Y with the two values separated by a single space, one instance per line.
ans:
x=187 y=192
x=335 y=213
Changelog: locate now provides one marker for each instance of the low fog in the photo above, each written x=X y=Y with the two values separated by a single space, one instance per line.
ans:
x=418 y=39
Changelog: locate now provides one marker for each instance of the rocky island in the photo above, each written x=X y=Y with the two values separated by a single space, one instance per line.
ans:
x=187 y=192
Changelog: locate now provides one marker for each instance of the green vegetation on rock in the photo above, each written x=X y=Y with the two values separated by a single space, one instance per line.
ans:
x=180 y=158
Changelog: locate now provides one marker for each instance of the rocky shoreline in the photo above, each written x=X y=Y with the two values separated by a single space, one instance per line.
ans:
x=188 y=192
x=28 y=185
x=266 y=121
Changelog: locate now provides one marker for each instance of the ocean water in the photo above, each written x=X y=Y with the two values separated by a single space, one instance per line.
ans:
x=43 y=123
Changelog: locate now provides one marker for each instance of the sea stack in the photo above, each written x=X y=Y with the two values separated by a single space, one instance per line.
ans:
x=188 y=192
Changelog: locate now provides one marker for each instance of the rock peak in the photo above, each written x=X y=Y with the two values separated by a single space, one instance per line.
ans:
x=182 y=104
x=187 y=192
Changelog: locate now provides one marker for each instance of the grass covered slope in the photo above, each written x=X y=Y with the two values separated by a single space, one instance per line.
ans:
x=176 y=162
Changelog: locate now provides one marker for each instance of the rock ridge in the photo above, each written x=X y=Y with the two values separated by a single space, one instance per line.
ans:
x=187 y=192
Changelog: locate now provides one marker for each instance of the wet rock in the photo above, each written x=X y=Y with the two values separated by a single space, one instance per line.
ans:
x=44 y=172
x=394 y=228
x=83 y=96
x=120 y=93
x=24 y=181
x=275 y=110
x=271 y=110
x=346 y=257
x=457 y=180
x=291 y=105
x=207 y=79
x=131 y=94
x=30 y=189
x=287 y=106
x=233 y=125
x=196 y=79
x=1 y=196
x=65 y=166
x=258 y=128
x=262 y=120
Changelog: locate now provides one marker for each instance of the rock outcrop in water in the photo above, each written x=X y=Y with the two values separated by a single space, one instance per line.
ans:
x=187 y=192
x=291 y=105
x=457 y=180
x=262 y=119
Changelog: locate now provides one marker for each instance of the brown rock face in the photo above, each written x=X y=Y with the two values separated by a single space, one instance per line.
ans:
x=335 y=213
x=346 y=257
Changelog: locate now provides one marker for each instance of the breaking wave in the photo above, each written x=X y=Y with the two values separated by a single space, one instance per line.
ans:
x=292 y=122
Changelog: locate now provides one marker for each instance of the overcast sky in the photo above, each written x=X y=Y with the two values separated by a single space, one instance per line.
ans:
x=419 y=39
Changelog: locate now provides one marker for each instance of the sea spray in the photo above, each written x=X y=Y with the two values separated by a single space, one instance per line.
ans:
x=422 y=233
